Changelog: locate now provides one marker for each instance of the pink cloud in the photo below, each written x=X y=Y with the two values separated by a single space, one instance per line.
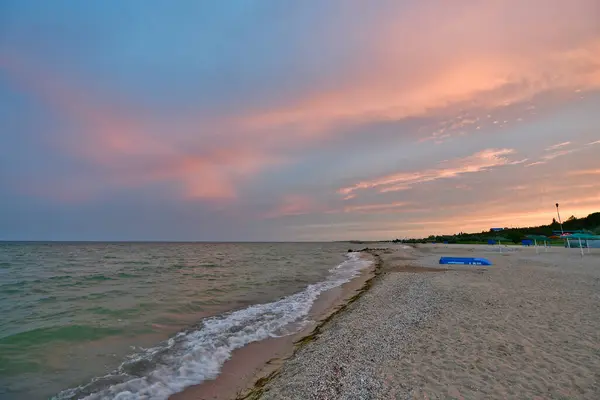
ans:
x=555 y=152
x=130 y=149
x=481 y=161
x=485 y=54
x=432 y=58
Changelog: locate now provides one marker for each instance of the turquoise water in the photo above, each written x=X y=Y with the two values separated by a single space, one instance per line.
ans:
x=144 y=320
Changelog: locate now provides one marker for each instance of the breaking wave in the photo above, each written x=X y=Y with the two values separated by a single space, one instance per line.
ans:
x=196 y=355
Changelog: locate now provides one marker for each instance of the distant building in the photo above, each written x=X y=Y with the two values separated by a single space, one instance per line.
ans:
x=496 y=229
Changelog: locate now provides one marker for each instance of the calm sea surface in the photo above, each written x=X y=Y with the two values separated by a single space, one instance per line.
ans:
x=145 y=320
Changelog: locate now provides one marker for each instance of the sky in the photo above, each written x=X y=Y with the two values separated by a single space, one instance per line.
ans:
x=269 y=120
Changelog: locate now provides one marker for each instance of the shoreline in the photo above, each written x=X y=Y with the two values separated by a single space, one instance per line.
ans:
x=525 y=327
x=251 y=366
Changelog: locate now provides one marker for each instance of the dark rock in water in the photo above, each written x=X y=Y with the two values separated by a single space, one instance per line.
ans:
x=350 y=251
x=368 y=249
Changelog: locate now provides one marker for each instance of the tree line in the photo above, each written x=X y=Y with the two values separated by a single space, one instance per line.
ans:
x=589 y=224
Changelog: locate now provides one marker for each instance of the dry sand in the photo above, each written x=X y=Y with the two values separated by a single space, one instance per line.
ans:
x=526 y=328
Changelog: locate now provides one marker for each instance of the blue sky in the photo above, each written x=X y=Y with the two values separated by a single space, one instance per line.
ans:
x=269 y=120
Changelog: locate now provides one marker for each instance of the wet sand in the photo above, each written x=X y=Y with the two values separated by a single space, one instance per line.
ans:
x=259 y=359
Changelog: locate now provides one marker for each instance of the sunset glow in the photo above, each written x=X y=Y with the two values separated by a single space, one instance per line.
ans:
x=312 y=121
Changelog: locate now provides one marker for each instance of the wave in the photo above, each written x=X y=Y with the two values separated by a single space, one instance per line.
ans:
x=193 y=356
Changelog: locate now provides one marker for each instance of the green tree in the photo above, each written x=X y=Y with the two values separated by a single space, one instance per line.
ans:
x=514 y=237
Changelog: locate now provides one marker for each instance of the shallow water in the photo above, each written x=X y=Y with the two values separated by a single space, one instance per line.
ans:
x=147 y=319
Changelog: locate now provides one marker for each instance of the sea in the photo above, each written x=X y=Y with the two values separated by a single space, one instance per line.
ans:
x=133 y=321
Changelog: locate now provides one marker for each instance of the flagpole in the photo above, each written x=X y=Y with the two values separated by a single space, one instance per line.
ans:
x=559 y=220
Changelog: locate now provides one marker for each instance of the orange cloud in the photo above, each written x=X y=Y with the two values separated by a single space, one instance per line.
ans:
x=585 y=172
x=517 y=201
x=528 y=215
x=447 y=220
x=460 y=55
x=481 y=161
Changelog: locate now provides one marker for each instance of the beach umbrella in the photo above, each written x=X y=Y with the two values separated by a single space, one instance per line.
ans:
x=553 y=237
x=580 y=237
x=535 y=239
x=584 y=236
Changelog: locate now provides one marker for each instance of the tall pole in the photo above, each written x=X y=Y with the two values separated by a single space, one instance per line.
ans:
x=559 y=221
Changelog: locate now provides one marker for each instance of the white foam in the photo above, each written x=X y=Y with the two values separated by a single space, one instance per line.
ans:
x=193 y=357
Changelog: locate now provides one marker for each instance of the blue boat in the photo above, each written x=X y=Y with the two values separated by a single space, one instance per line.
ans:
x=465 y=261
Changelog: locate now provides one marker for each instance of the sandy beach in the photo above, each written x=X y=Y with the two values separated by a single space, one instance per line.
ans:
x=526 y=328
